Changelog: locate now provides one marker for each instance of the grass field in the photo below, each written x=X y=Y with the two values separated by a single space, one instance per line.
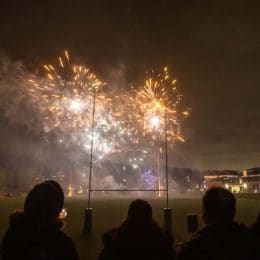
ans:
x=108 y=213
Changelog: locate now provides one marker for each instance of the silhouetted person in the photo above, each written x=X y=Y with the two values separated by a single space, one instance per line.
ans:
x=222 y=238
x=255 y=232
x=138 y=237
x=35 y=233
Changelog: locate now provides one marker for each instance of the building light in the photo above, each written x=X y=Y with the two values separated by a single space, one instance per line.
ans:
x=245 y=185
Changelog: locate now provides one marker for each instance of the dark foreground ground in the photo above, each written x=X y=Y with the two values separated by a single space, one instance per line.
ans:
x=108 y=213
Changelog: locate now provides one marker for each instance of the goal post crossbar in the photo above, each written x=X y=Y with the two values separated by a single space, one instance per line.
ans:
x=128 y=190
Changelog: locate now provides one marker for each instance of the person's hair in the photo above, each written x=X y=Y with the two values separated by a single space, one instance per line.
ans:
x=219 y=206
x=44 y=201
x=140 y=209
x=59 y=190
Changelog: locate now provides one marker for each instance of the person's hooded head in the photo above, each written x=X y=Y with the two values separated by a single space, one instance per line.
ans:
x=44 y=202
x=219 y=206
x=140 y=210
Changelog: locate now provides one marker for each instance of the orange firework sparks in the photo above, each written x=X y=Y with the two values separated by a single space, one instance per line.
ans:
x=65 y=99
x=155 y=104
x=66 y=95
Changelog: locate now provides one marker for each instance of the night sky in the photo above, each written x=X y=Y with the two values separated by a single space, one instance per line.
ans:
x=212 y=48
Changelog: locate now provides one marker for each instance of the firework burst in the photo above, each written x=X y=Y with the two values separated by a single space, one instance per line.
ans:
x=65 y=99
x=156 y=107
x=65 y=95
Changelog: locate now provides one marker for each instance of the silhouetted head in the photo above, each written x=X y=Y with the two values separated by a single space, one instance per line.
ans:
x=219 y=206
x=59 y=190
x=140 y=209
x=44 y=201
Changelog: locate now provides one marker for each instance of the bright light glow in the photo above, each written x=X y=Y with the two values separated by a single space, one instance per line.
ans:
x=76 y=106
x=63 y=214
x=155 y=121
x=135 y=166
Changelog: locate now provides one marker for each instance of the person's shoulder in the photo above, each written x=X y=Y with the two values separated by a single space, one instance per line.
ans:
x=192 y=248
x=65 y=242
x=240 y=232
x=198 y=238
x=61 y=235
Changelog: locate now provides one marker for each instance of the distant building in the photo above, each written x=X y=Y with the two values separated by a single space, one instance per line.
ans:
x=247 y=181
x=250 y=180
x=230 y=182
